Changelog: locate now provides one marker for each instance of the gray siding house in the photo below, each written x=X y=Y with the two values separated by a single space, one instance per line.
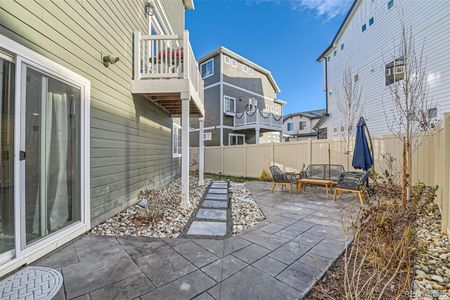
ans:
x=305 y=125
x=91 y=112
x=241 y=101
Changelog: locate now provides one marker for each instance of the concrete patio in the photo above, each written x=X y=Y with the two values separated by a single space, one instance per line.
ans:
x=280 y=258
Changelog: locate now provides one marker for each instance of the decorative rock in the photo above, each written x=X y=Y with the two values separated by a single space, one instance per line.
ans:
x=245 y=212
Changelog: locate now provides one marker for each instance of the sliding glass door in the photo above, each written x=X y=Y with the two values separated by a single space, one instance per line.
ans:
x=7 y=186
x=51 y=129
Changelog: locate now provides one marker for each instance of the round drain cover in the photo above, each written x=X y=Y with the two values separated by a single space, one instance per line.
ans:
x=31 y=283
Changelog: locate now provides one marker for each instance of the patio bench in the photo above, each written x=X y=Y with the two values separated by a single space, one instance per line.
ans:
x=320 y=174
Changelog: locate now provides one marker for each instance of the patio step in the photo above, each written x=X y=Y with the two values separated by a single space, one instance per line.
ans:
x=212 y=219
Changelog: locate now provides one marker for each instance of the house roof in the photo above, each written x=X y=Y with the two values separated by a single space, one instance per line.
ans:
x=249 y=62
x=341 y=28
x=189 y=4
x=312 y=114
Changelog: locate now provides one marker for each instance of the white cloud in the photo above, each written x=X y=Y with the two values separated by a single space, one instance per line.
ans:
x=325 y=8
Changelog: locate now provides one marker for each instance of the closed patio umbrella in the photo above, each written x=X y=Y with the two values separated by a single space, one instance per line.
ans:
x=362 y=155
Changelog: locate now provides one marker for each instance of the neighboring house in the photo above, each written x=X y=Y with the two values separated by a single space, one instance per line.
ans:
x=241 y=101
x=365 y=43
x=304 y=125
x=88 y=109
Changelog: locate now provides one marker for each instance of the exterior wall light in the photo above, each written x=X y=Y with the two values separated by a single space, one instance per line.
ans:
x=108 y=59
x=149 y=8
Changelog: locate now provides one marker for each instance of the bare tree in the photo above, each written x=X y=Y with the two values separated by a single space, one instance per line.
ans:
x=349 y=105
x=407 y=83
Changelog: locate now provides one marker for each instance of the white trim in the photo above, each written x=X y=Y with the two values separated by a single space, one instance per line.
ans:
x=212 y=68
x=221 y=99
x=211 y=85
x=51 y=68
x=236 y=135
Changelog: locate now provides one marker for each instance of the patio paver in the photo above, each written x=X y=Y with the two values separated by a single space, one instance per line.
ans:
x=279 y=258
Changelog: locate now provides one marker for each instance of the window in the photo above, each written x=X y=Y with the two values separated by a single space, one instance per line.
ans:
x=236 y=139
x=272 y=109
x=234 y=63
x=250 y=71
x=371 y=21
x=335 y=130
x=342 y=129
x=432 y=113
x=356 y=78
x=290 y=126
x=207 y=136
x=394 y=71
x=207 y=68
x=342 y=46
x=269 y=138
x=227 y=59
x=229 y=105
x=266 y=108
x=364 y=27
x=245 y=68
x=302 y=125
x=176 y=140
x=334 y=53
x=328 y=58
x=390 y=4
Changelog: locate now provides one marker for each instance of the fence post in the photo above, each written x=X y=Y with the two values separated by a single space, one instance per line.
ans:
x=310 y=150
x=446 y=181
x=245 y=159
x=221 y=160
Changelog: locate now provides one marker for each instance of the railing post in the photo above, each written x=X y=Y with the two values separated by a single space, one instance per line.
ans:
x=257 y=116
x=245 y=117
x=137 y=55
x=186 y=54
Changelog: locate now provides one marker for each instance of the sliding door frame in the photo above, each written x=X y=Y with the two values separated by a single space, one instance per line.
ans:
x=26 y=57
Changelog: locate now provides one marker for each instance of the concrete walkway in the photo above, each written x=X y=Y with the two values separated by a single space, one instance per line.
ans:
x=212 y=219
x=280 y=258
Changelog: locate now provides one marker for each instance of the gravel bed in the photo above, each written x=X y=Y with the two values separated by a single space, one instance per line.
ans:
x=245 y=212
x=135 y=222
x=432 y=280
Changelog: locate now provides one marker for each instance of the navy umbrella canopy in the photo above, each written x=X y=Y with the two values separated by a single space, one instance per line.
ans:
x=362 y=155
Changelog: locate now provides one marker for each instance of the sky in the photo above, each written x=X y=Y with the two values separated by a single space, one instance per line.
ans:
x=283 y=36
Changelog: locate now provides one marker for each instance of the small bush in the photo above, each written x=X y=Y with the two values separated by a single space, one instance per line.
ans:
x=265 y=175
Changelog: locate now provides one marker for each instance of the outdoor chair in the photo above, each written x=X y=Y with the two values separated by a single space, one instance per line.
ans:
x=279 y=177
x=351 y=182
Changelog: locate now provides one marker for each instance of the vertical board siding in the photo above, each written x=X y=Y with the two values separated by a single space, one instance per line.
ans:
x=131 y=138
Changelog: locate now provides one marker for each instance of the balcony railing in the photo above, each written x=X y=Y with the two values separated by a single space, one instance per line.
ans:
x=166 y=57
x=258 y=118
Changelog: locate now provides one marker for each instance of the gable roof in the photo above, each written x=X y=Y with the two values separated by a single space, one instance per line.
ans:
x=247 y=61
x=311 y=114
x=341 y=28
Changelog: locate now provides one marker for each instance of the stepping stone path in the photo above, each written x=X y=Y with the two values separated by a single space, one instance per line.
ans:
x=213 y=217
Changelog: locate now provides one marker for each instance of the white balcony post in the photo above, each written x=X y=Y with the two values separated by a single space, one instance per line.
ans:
x=257 y=117
x=137 y=55
x=257 y=134
x=186 y=54
x=201 y=152
x=185 y=151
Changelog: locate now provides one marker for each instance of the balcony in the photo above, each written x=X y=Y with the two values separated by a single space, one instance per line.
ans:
x=264 y=121
x=165 y=71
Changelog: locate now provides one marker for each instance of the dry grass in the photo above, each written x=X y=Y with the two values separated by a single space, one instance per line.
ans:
x=379 y=262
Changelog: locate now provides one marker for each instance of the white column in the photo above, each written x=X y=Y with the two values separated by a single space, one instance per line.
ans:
x=201 y=152
x=257 y=135
x=185 y=151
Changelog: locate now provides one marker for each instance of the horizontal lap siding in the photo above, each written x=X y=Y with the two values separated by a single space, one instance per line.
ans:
x=368 y=52
x=130 y=137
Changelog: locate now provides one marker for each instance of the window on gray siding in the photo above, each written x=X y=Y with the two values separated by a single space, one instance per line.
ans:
x=302 y=125
x=364 y=27
x=229 y=105
x=342 y=46
x=176 y=140
x=207 y=68
x=390 y=4
x=432 y=113
x=394 y=71
x=371 y=21
x=290 y=126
